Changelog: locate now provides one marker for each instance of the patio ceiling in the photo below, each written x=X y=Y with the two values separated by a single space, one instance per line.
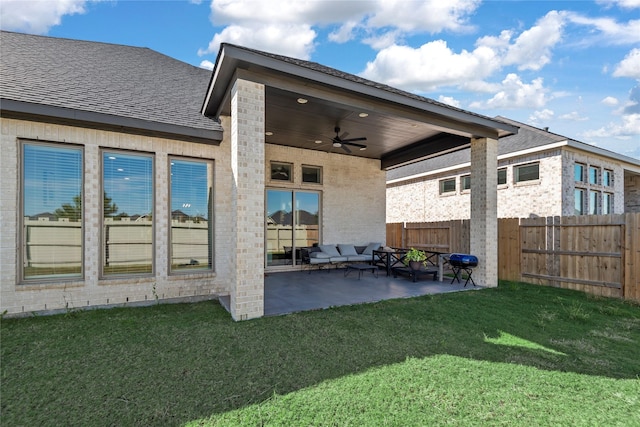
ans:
x=305 y=101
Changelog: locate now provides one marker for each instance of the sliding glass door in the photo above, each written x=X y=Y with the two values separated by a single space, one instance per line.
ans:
x=292 y=223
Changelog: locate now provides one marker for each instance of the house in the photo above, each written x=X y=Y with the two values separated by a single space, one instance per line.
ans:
x=539 y=174
x=115 y=140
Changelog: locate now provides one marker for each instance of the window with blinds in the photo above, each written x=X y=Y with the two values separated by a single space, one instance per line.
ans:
x=191 y=215
x=52 y=231
x=127 y=209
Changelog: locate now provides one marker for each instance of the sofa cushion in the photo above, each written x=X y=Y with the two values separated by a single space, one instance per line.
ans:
x=371 y=247
x=320 y=255
x=346 y=250
x=358 y=258
x=330 y=250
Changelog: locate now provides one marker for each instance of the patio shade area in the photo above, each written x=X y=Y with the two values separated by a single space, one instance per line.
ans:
x=296 y=291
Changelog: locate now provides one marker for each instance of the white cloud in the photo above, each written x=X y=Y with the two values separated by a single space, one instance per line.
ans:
x=608 y=29
x=208 y=65
x=532 y=49
x=629 y=66
x=574 y=116
x=37 y=16
x=624 y=4
x=610 y=101
x=628 y=127
x=344 y=33
x=431 y=16
x=291 y=40
x=429 y=66
x=517 y=94
x=541 y=116
x=449 y=101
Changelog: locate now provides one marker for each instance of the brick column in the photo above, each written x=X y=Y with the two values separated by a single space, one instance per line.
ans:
x=247 y=200
x=484 y=210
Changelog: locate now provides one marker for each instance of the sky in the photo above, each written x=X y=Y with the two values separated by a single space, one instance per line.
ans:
x=571 y=66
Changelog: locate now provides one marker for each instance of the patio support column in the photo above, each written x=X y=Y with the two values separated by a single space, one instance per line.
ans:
x=484 y=210
x=247 y=200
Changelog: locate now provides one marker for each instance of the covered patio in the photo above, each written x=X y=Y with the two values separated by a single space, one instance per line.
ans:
x=295 y=291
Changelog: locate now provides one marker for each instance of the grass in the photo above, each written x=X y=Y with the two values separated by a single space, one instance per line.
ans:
x=514 y=355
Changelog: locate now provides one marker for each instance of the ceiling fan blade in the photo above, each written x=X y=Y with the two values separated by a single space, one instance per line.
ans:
x=354 y=144
x=343 y=136
x=354 y=139
x=345 y=148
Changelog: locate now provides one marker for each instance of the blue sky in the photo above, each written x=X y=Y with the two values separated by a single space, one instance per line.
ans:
x=573 y=66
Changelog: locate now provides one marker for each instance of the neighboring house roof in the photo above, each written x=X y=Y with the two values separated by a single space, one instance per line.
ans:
x=528 y=139
x=104 y=84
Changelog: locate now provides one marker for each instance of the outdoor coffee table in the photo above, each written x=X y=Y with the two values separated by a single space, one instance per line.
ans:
x=360 y=268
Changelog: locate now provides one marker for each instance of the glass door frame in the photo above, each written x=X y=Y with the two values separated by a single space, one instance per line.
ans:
x=295 y=261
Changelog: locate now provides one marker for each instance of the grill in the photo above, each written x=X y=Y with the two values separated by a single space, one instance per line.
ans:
x=463 y=260
x=460 y=263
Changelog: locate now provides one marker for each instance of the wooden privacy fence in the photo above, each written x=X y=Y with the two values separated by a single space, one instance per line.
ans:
x=599 y=255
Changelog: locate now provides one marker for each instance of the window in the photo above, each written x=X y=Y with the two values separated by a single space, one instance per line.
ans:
x=465 y=182
x=607 y=178
x=578 y=172
x=593 y=175
x=502 y=176
x=579 y=202
x=52 y=212
x=281 y=172
x=530 y=172
x=312 y=174
x=191 y=214
x=127 y=208
x=593 y=202
x=448 y=185
x=607 y=203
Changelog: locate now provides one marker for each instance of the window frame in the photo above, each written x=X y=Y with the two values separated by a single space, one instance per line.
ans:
x=582 y=192
x=210 y=268
x=596 y=172
x=465 y=179
x=518 y=168
x=609 y=174
x=609 y=197
x=583 y=168
x=441 y=186
x=501 y=184
x=152 y=157
x=593 y=205
x=288 y=167
x=319 y=173
x=51 y=278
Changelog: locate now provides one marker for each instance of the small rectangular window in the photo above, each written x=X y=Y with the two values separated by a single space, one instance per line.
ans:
x=312 y=174
x=593 y=175
x=465 y=182
x=447 y=186
x=607 y=178
x=578 y=202
x=607 y=203
x=593 y=202
x=578 y=172
x=281 y=172
x=52 y=212
x=530 y=172
x=127 y=208
x=191 y=212
x=502 y=176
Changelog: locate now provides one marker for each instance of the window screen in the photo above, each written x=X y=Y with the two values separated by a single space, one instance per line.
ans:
x=127 y=232
x=51 y=211
x=502 y=176
x=448 y=186
x=529 y=172
x=465 y=182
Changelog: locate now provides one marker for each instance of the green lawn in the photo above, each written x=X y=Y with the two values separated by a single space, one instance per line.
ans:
x=515 y=355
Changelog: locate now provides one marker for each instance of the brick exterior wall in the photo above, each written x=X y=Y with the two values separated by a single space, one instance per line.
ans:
x=92 y=290
x=419 y=200
x=352 y=193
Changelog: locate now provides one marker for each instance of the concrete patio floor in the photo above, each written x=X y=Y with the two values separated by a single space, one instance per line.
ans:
x=296 y=291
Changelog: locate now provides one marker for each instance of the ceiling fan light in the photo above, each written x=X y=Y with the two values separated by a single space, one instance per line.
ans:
x=363 y=115
x=363 y=148
x=318 y=141
x=302 y=101
x=337 y=144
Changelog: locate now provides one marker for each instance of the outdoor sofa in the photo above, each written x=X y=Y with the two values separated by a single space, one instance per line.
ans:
x=326 y=255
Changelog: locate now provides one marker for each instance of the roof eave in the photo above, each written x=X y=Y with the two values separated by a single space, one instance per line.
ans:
x=13 y=107
x=231 y=57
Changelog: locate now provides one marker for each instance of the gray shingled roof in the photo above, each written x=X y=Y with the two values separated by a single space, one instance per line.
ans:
x=116 y=81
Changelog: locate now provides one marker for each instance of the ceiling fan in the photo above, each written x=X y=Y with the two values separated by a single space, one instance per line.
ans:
x=341 y=141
